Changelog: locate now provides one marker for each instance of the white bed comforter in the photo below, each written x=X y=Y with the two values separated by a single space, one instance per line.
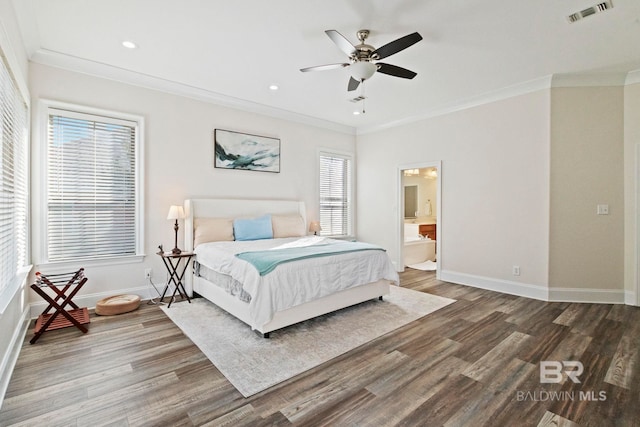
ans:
x=296 y=282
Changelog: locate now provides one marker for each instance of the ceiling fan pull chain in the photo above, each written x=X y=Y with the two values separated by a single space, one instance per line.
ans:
x=364 y=98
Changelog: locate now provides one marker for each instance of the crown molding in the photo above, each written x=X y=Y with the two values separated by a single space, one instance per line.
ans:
x=122 y=75
x=588 y=80
x=633 y=77
x=485 y=98
x=546 y=82
x=98 y=69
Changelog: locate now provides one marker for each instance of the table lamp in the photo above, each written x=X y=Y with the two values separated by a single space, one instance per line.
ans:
x=315 y=227
x=176 y=212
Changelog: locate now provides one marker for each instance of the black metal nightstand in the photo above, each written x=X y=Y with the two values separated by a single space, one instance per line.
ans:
x=172 y=263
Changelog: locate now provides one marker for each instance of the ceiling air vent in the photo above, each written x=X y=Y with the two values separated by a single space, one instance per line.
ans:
x=600 y=7
x=358 y=99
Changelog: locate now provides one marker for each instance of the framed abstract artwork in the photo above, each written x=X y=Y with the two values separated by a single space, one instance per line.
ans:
x=235 y=150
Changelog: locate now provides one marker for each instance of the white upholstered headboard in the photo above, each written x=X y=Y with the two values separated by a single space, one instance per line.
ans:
x=233 y=208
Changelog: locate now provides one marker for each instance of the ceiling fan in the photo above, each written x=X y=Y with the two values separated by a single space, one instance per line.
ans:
x=363 y=58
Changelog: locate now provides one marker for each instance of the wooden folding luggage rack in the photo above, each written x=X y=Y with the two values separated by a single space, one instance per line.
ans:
x=60 y=284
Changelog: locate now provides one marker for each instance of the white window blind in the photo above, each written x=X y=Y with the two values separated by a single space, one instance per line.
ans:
x=335 y=195
x=91 y=186
x=13 y=178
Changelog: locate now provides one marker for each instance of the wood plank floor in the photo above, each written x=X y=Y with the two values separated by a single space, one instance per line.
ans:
x=473 y=363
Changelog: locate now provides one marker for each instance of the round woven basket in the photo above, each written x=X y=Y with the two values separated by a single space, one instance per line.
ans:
x=117 y=304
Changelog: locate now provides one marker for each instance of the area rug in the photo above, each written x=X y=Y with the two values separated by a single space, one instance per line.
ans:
x=425 y=266
x=253 y=364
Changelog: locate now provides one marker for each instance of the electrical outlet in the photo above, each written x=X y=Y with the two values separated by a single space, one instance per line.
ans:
x=516 y=270
x=147 y=273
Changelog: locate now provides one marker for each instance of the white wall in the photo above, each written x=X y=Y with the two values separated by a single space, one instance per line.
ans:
x=179 y=160
x=521 y=179
x=14 y=315
x=632 y=189
x=495 y=187
x=12 y=44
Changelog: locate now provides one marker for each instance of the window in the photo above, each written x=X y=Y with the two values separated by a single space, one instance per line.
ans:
x=93 y=185
x=335 y=194
x=13 y=180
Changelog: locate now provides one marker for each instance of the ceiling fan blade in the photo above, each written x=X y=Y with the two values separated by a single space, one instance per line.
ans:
x=342 y=42
x=394 y=70
x=353 y=84
x=324 y=67
x=396 y=46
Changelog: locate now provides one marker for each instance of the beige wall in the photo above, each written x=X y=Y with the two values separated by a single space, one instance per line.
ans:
x=495 y=184
x=179 y=160
x=631 y=188
x=587 y=134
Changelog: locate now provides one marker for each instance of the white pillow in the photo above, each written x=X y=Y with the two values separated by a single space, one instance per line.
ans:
x=212 y=230
x=288 y=226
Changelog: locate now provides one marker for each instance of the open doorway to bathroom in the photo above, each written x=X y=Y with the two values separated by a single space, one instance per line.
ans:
x=419 y=216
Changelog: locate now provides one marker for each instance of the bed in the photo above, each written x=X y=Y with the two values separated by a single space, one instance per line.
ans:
x=290 y=292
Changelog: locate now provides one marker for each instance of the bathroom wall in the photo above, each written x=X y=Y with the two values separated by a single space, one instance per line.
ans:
x=427 y=190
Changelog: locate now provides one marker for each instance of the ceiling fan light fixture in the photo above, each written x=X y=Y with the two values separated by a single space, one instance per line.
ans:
x=362 y=70
x=362 y=58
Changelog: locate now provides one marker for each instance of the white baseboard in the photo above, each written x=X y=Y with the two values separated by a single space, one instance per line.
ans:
x=498 y=285
x=630 y=298
x=11 y=356
x=596 y=296
x=90 y=300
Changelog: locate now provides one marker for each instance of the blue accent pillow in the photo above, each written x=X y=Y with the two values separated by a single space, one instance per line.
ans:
x=253 y=229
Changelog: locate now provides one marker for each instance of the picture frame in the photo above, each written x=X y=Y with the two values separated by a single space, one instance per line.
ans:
x=245 y=151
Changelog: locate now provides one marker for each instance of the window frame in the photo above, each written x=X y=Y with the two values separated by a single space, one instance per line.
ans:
x=48 y=107
x=350 y=156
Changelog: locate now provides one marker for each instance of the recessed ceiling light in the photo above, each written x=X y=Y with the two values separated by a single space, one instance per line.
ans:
x=273 y=87
x=356 y=113
x=129 y=44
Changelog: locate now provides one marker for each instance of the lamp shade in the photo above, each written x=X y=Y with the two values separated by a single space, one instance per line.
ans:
x=315 y=226
x=175 y=212
x=362 y=70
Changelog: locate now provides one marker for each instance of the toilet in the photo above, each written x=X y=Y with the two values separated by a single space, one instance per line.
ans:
x=417 y=249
